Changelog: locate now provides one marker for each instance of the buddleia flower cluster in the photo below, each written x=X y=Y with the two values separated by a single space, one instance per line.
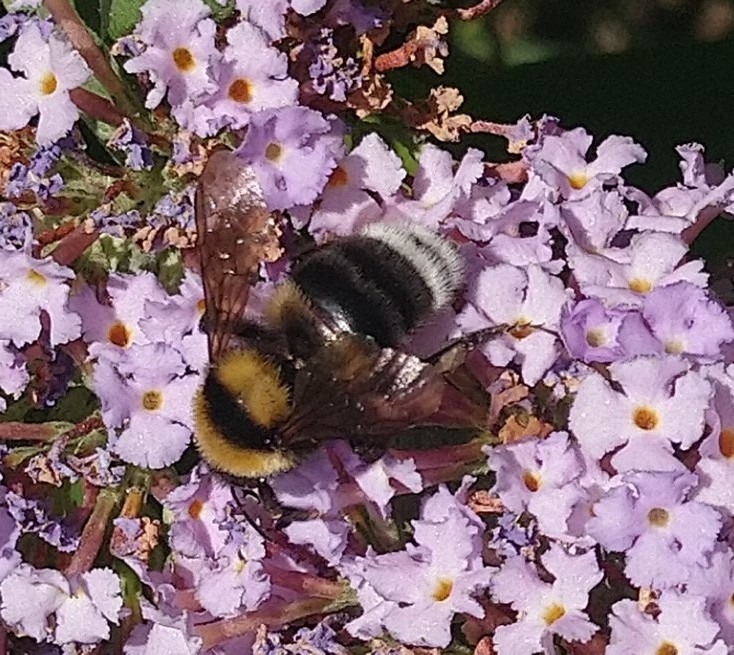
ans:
x=590 y=509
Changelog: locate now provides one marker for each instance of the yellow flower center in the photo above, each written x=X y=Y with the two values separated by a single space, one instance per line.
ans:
x=553 y=613
x=646 y=418
x=273 y=152
x=34 y=277
x=184 y=60
x=658 y=517
x=531 y=480
x=152 y=400
x=119 y=334
x=726 y=442
x=596 y=337
x=338 y=177
x=521 y=329
x=674 y=347
x=578 y=180
x=640 y=285
x=666 y=648
x=49 y=83
x=201 y=307
x=195 y=509
x=443 y=589
x=241 y=91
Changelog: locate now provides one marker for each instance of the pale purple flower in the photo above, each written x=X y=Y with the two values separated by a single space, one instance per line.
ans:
x=520 y=299
x=540 y=476
x=560 y=162
x=162 y=634
x=595 y=333
x=112 y=328
x=180 y=50
x=546 y=609
x=50 y=69
x=253 y=76
x=332 y=74
x=28 y=287
x=439 y=184
x=147 y=394
x=38 y=176
x=34 y=517
x=233 y=583
x=14 y=376
x=293 y=150
x=653 y=402
x=682 y=626
x=593 y=221
x=16 y=227
x=199 y=507
x=687 y=321
x=326 y=537
x=270 y=16
x=716 y=583
x=94 y=601
x=348 y=201
x=415 y=593
x=625 y=275
x=716 y=465
x=320 y=640
x=29 y=597
x=663 y=534
x=704 y=193
x=131 y=141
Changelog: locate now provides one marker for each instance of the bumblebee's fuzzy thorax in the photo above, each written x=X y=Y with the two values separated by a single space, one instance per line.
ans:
x=237 y=411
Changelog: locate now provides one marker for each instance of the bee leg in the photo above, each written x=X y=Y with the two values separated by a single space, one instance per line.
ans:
x=453 y=354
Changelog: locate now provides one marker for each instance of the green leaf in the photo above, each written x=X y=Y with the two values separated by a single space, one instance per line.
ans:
x=121 y=17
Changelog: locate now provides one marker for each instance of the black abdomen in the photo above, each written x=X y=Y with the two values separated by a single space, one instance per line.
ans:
x=375 y=290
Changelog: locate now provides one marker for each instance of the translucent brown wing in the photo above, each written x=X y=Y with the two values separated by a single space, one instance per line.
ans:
x=354 y=389
x=235 y=232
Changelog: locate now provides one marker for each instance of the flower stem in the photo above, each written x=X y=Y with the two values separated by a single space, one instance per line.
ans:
x=68 y=20
x=94 y=532
x=275 y=615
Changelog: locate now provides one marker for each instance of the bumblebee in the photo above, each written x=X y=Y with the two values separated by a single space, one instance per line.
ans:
x=325 y=361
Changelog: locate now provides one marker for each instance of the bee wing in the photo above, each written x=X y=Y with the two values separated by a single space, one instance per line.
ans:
x=354 y=389
x=235 y=232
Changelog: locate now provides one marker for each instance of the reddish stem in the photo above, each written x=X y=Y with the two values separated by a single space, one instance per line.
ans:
x=305 y=583
x=16 y=431
x=68 y=20
x=275 y=615
x=73 y=245
x=96 y=106
x=93 y=533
